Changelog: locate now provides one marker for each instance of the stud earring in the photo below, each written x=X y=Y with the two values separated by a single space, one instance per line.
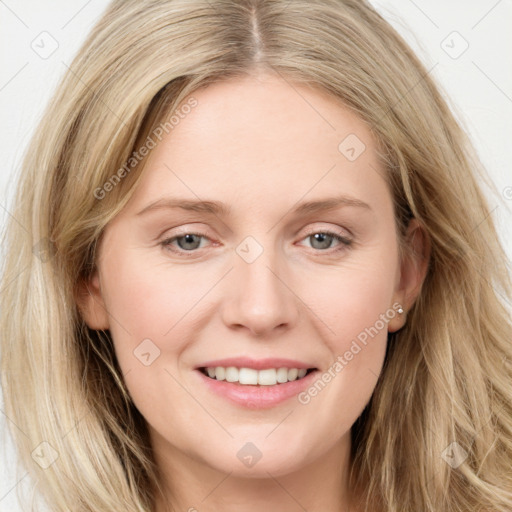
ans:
x=400 y=310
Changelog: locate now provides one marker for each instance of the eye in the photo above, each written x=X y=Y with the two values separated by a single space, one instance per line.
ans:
x=189 y=242
x=186 y=242
x=322 y=240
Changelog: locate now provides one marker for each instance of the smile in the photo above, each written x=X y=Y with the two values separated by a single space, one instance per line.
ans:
x=251 y=376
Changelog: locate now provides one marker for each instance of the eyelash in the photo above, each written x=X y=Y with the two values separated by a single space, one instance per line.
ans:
x=345 y=243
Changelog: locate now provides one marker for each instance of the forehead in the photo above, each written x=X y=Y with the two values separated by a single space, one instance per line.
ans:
x=261 y=139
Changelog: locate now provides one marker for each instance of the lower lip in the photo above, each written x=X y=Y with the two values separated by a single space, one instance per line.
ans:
x=257 y=397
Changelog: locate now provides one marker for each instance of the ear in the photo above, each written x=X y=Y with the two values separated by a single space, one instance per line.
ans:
x=413 y=270
x=90 y=302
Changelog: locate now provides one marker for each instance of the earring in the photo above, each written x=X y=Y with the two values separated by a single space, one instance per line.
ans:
x=400 y=310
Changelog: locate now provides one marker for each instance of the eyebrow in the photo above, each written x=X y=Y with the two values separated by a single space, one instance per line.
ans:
x=218 y=208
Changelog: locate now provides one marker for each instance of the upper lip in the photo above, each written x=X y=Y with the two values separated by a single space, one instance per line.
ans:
x=256 y=364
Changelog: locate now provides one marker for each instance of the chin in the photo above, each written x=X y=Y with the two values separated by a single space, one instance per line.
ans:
x=256 y=459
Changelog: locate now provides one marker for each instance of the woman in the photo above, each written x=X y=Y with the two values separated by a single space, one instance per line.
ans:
x=335 y=336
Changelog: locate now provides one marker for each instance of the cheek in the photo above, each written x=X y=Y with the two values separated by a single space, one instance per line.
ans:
x=359 y=306
x=354 y=306
x=151 y=310
x=149 y=303
x=149 y=299
x=355 y=297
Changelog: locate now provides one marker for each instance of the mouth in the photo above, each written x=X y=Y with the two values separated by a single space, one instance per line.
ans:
x=252 y=377
x=256 y=383
x=256 y=388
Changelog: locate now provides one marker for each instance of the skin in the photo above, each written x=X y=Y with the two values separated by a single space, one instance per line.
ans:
x=260 y=146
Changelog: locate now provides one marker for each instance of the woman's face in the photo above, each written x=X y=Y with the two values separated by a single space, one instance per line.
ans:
x=249 y=273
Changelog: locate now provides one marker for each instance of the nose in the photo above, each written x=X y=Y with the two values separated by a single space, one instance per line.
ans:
x=259 y=296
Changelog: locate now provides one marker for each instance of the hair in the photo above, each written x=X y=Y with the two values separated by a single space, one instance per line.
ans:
x=446 y=375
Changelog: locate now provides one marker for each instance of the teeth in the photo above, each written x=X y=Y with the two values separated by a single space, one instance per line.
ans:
x=267 y=377
x=231 y=374
x=282 y=375
x=247 y=376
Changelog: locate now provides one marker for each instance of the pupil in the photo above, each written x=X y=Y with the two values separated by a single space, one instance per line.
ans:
x=321 y=238
x=189 y=239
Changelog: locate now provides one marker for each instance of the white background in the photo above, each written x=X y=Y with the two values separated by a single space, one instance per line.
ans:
x=478 y=84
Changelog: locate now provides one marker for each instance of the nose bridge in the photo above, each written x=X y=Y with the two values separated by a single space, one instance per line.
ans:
x=258 y=297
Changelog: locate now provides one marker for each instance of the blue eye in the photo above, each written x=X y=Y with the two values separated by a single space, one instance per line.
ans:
x=189 y=242
x=324 y=238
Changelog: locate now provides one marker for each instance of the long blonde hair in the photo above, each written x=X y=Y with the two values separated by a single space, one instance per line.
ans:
x=447 y=374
